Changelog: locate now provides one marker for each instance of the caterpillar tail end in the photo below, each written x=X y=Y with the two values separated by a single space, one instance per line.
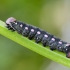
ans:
x=68 y=55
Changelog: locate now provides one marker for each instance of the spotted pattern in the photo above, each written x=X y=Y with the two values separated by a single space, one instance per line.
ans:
x=15 y=23
x=21 y=25
x=60 y=42
x=32 y=30
x=45 y=35
x=38 y=32
x=26 y=28
x=53 y=39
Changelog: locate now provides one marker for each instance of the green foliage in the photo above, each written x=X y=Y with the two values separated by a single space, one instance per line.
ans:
x=38 y=48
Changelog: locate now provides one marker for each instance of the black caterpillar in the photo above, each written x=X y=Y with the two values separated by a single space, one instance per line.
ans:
x=38 y=35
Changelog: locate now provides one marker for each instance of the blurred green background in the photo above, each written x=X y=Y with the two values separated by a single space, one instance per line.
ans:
x=49 y=15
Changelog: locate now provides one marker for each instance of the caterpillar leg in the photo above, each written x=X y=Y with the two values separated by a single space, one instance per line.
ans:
x=52 y=48
x=46 y=39
x=36 y=37
x=40 y=36
x=45 y=42
x=32 y=33
x=9 y=28
x=25 y=32
x=53 y=43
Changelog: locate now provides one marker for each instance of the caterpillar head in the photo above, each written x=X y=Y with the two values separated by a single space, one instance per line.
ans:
x=9 y=22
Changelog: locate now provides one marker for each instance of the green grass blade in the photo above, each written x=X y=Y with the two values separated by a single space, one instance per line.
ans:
x=38 y=48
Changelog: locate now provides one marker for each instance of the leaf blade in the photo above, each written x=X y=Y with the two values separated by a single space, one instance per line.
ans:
x=38 y=48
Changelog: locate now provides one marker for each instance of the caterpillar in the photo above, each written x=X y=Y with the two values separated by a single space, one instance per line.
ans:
x=39 y=35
